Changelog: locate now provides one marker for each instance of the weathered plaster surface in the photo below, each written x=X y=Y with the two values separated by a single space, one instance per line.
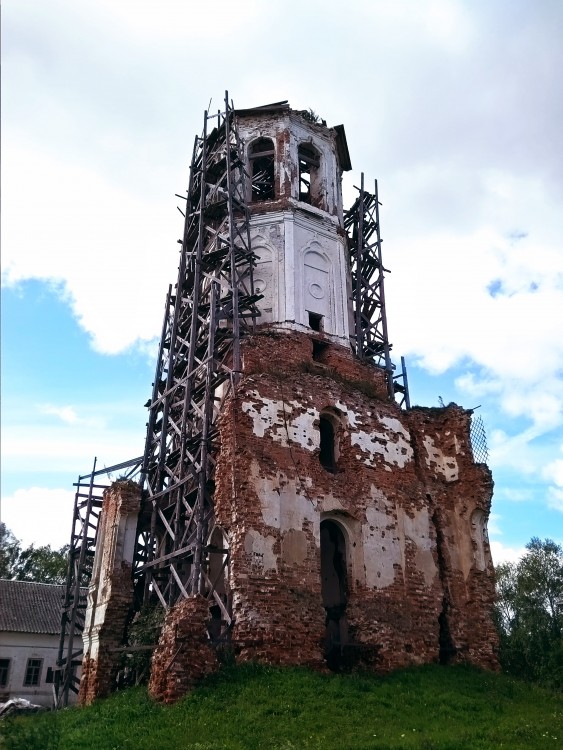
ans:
x=415 y=550
x=110 y=593
x=435 y=458
x=278 y=419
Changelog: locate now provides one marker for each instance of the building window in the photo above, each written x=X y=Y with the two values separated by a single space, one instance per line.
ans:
x=334 y=587
x=327 y=455
x=262 y=170
x=32 y=672
x=320 y=349
x=4 y=672
x=309 y=163
x=316 y=322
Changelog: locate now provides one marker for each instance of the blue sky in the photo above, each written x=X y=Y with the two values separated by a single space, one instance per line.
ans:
x=455 y=107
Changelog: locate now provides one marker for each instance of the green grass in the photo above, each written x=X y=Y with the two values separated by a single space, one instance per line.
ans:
x=250 y=707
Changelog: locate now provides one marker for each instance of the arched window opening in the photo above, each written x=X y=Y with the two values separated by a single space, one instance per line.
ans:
x=327 y=454
x=262 y=170
x=334 y=587
x=309 y=163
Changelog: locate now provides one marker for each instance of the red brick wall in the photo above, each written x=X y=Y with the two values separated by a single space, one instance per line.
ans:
x=184 y=654
x=111 y=593
x=277 y=603
x=405 y=492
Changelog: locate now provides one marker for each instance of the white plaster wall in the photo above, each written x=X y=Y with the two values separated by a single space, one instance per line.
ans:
x=417 y=530
x=278 y=421
x=116 y=544
x=289 y=244
x=261 y=550
x=381 y=542
x=284 y=502
x=320 y=276
x=300 y=268
x=435 y=458
x=391 y=443
x=480 y=537
x=387 y=532
x=291 y=423
x=19 y=647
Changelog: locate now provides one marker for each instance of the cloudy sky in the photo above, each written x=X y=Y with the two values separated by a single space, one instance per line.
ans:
x=455 y=107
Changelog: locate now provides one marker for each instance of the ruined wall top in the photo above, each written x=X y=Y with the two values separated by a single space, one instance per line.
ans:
x=303 y=156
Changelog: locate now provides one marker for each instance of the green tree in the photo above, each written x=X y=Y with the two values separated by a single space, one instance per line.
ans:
x=10 y=550
x=529 y=614
x=39 y=564
x=42 y=564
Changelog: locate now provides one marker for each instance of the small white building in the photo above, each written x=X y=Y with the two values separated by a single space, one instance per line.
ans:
x=30 y=624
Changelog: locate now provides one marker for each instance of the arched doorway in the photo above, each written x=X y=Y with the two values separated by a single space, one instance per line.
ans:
x=334 y=586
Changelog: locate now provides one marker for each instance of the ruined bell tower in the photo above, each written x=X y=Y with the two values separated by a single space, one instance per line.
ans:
x=294 y=172
x=294 y=508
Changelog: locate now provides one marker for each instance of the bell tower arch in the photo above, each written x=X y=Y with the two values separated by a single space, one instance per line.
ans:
x=295 y=166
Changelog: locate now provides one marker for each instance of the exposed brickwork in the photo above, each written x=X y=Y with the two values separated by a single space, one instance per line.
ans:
x=410 y=501
x=183 y=655
x=405 y=490
x=405 y=477
x=111 y=591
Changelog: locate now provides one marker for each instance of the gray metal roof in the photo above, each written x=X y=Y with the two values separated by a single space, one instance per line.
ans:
x=27 y=607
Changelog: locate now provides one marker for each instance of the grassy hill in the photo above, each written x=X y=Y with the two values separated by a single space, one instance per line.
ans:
x=251 y=707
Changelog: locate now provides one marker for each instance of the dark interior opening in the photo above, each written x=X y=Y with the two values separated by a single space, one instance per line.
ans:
x=315 y=322
x=327 y=455
x=334 y=586
x=308 y=164
x=262 y=170
x=319 y=350
x=447 y=648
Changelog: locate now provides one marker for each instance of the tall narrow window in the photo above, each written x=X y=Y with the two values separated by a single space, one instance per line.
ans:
x=262 y=170
x=308 y=165
x=327 y=455
x=333 y=566
x=4 y=672
x=334 y=587
x=32 y=672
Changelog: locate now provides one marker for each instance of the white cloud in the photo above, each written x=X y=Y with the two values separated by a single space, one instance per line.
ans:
x=68 y=415
x=178 y=20
x=110 y=251
x=64 y=413
x=39 y=516
x=493 y=525
x=502 y=553
x=69 y=450
x=553 y=472
x=516 y=495
x=555 y=498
